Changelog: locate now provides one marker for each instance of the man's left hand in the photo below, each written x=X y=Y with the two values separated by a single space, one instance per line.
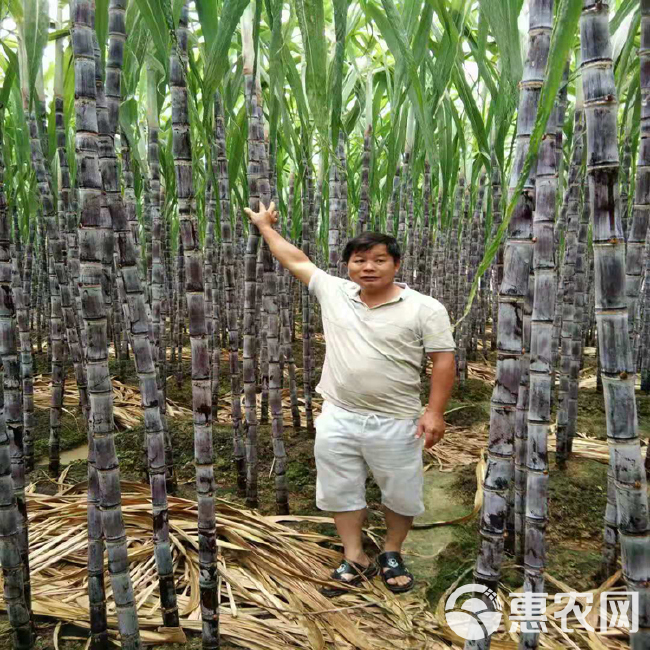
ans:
x=432 y=426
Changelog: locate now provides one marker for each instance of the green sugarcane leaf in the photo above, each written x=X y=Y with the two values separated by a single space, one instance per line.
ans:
x=392 y=30
x=35 y=29
x=10 y=73
x=473 y=113
x=209 y=19
x=276 y=71
x=101 y=27
x=412 y=13
x=626 y=59
x=421 y=39
x=311 y=20
x=129 y=125
x=216 y=61
x=336 y=89
x=447 y=51
x=135 y=50
x=15 y=8
x=154 y=18
x=562 y=40
x=501 y=16
x=58 y=33
x=622 y=13
x=479 y=51
x=293 y=78
x=237 y=137
x=257 y=20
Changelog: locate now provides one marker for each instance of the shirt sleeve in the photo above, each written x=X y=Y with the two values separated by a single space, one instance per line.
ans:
x=436 y=329
x=323 y=285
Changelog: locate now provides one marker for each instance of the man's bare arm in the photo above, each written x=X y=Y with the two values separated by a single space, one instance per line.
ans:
x=292 y=258
x=432 y=423
x=443 y=375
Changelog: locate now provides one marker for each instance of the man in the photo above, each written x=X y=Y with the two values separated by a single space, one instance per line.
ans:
x=377 y=331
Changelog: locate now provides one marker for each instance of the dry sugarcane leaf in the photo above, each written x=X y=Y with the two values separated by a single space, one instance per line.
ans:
x=126 y=401
x=271 y=573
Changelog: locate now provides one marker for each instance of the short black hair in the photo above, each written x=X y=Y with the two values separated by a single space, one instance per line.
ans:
x=367 y=240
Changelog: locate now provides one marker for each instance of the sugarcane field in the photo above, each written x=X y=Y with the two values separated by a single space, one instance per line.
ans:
x=324 y=324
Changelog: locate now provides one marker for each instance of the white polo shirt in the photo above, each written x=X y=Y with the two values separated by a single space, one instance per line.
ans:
x=374 y=354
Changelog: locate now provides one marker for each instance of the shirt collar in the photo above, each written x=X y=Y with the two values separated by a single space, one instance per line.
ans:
x=354 y=291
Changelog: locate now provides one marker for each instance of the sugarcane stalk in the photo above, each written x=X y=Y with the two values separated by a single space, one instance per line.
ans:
x=220 y=163
x=14 y=543
x=564 y=420
x=512 y=293
x=92 y=261
x=636 y=238
x=335 y=197
x=287 y=313
x=195 y=296
x=538 y=411
x=617 y=367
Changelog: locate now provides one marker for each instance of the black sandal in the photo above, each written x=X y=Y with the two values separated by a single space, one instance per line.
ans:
x=347 y=566
x=392 y=560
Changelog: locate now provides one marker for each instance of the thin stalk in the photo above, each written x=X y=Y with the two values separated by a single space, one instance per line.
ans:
x=229 y=274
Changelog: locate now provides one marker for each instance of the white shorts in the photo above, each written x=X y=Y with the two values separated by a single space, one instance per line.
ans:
x=346 y=441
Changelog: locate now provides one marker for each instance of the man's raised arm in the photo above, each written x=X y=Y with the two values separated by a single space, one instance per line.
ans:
x=292 y=258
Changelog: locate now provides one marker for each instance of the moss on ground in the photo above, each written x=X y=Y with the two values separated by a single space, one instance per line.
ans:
x=577 y=499
x=73 y=433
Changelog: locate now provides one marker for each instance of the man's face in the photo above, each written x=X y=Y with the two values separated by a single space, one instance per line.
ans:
x=373 y=269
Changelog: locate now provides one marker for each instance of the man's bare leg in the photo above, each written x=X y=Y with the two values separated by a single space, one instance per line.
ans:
x=349 y=525
x=397 y=528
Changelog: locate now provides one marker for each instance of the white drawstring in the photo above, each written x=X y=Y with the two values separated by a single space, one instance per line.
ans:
x=365 y=421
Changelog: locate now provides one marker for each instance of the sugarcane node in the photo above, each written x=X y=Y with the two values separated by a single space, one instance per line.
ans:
x=623 y=375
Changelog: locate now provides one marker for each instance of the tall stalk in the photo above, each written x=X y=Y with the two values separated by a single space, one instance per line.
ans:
x=26 y=359
x=617 y=368
x=567 y=320
x=541 y=361
x=144 y=351
x=157 y=271
x=220 y=163
x=512 y=293
x=14 y=557
x=636 y=237
x=66 y=264
x=287 y=314
x=275 y=395
x=258 y=190
x=100 y=388
x=364 y=191
x=195 y=296
x=335 y=198
x=306 y=303
x=54 y=255
x=496 y=271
